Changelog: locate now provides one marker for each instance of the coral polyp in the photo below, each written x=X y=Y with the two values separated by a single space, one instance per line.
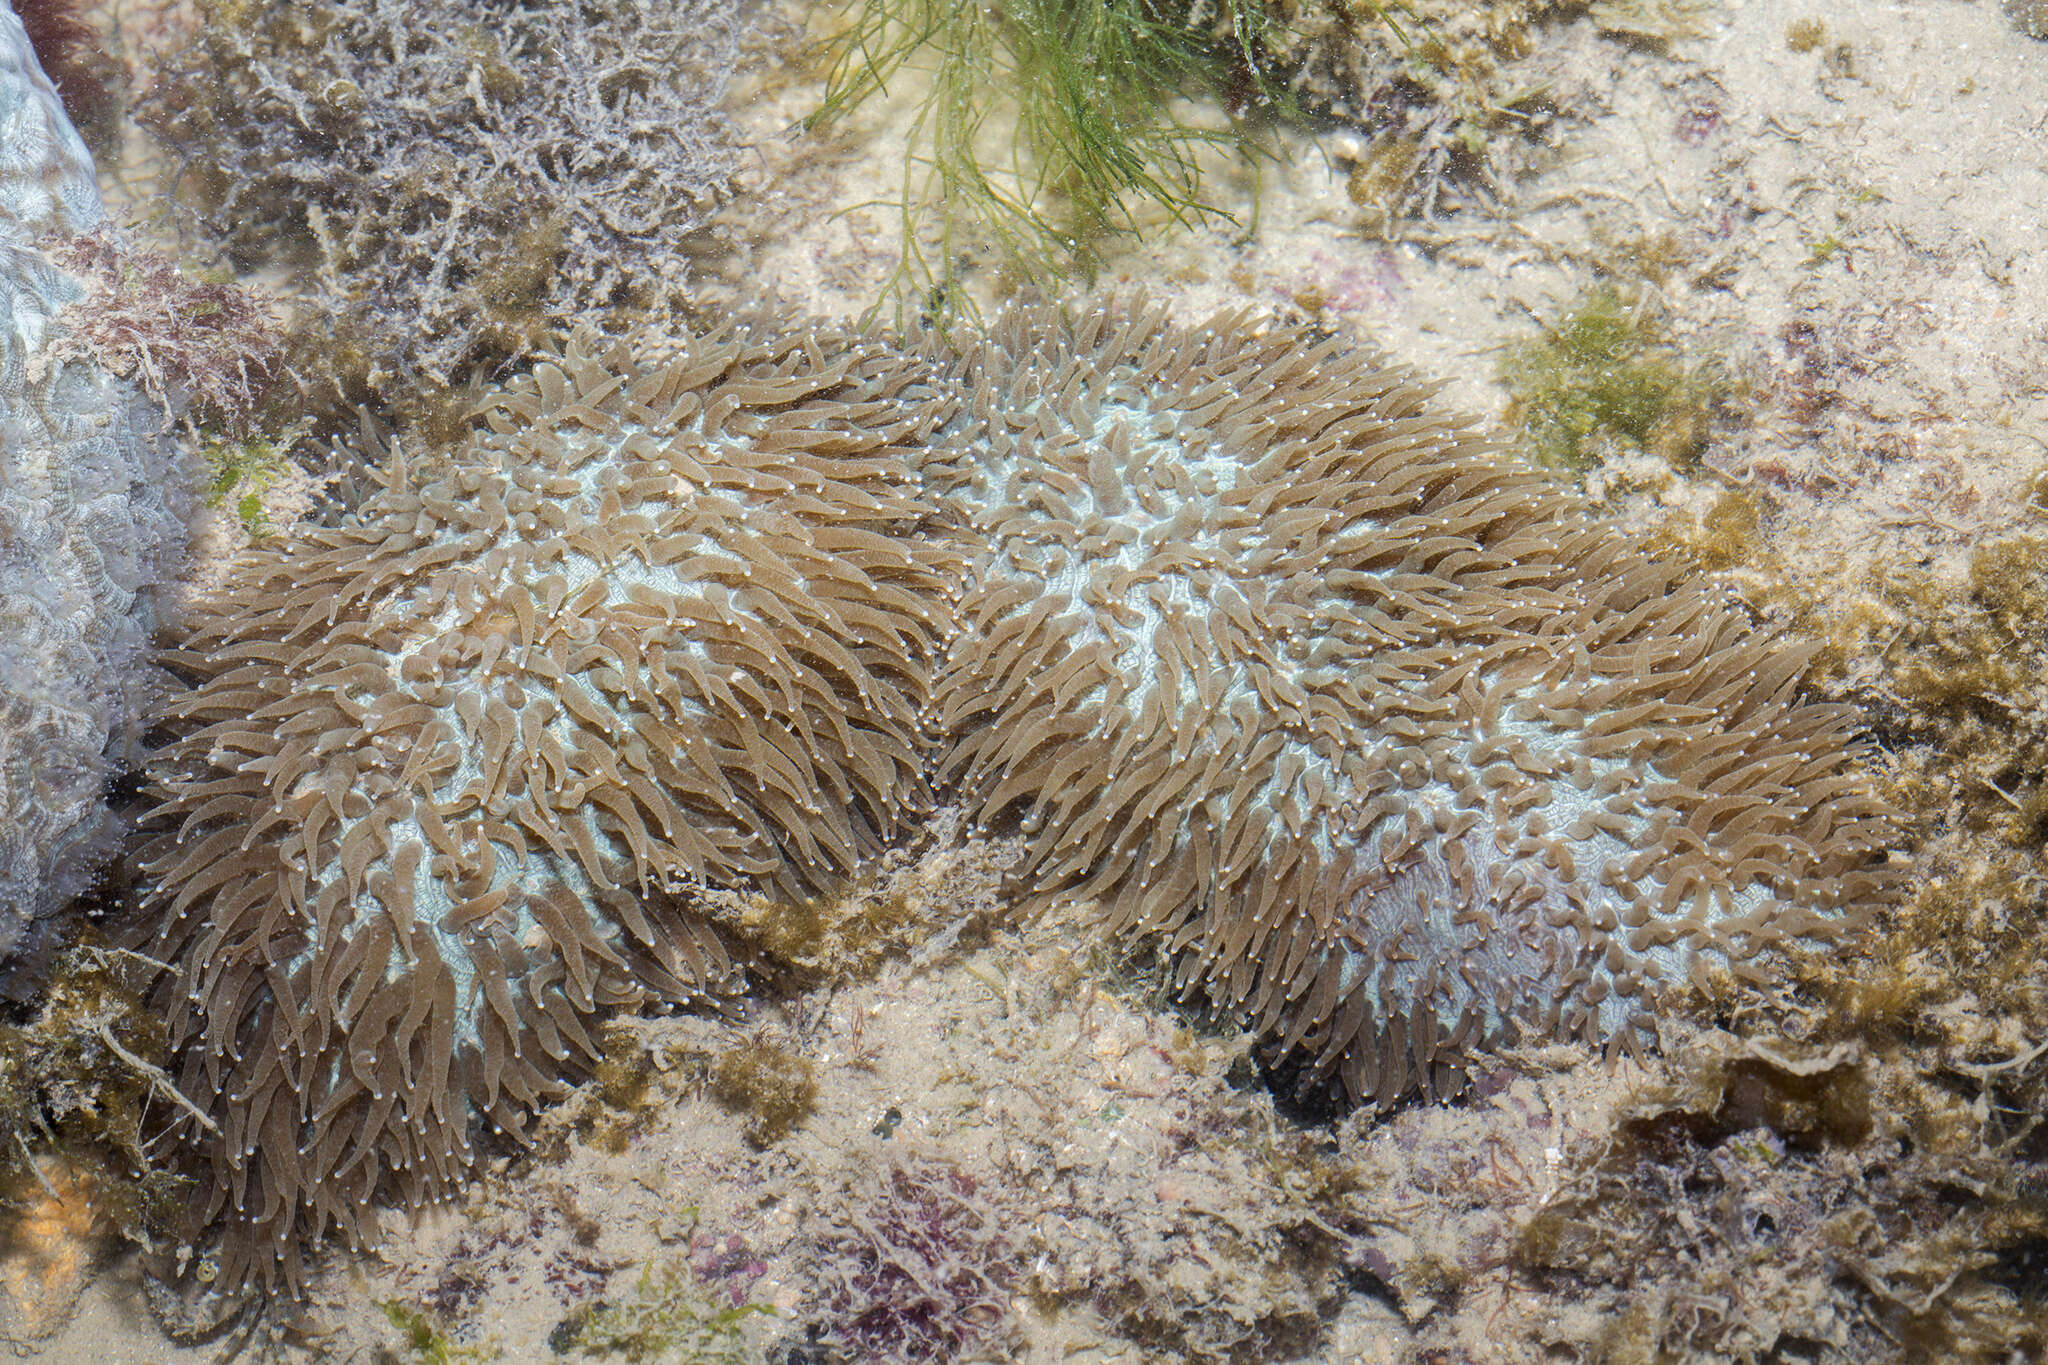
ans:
x=1397 y=749
x=448 y=770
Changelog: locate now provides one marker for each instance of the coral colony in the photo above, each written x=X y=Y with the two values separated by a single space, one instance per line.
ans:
x=90 y=522
x=1390 y=745
x=1398 y=749
x=452 y=768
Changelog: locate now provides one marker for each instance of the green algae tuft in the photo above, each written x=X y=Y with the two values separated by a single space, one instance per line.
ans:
x=668 y=1317
x=1604 y=378
x=771 y=1087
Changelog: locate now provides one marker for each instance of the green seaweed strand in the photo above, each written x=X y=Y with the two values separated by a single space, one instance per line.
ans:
x=1089 y=82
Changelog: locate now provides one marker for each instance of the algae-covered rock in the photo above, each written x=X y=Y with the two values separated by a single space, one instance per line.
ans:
x=2028 y=16
x=445 y=184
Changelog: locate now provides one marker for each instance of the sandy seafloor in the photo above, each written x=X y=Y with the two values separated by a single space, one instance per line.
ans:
x=1082 y=1109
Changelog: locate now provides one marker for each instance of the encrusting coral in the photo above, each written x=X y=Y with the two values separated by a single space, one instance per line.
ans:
x=91 y=509
x=1398 y=751
x=1396 y=747
x=449 y=768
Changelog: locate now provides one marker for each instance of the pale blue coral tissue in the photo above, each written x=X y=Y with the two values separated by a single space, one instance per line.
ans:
x=91 y=522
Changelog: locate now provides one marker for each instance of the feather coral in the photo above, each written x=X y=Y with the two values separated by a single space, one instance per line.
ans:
x=1397 y=749
x=448 y=769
